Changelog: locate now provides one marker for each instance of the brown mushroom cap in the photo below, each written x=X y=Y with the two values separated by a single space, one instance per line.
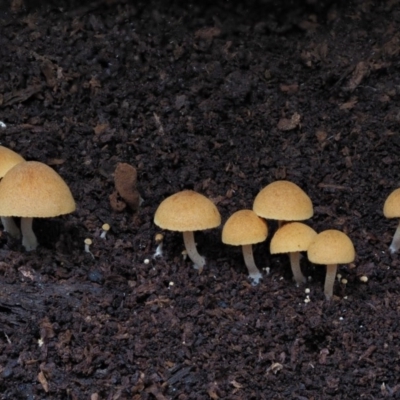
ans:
x=244 y=227
x=292 y=237
x=32 y=189
x=8 y=159
x=331 y=247
x=391 y=208
x=187 y=211
x=283 y=201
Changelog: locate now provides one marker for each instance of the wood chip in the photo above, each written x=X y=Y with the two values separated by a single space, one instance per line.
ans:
x=100 y=128
x=286 y=124
x=43 y=381
x=125 y=177
x=207 y=33
x=275 y=368
x=19 y=96
x=360 y=72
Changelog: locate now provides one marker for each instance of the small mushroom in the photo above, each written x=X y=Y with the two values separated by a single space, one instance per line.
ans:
x=331 y=247
x=88 y=242
x=244 y=228
x=391 y=209
x=293 y=238
x=104 y=230
x=159 y=241
x=283 y=201
x=30 y=190
x=186 y=212
x=8 y=159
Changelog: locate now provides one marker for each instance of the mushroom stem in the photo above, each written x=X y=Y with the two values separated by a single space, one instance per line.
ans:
x=295 y=264
x=395 y=245
x=254 y=273
x=330 y=280
x=11 y=227
x=159 y=251
x=190 y=245
x=29 y=240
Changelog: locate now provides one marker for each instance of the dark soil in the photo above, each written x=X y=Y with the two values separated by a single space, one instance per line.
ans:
x=222 y=98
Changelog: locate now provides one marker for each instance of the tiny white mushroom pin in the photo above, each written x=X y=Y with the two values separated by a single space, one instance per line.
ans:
x=105 y=228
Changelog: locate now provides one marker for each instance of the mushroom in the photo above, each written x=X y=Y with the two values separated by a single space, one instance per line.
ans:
x=186 y=212
x=88 y=242
x=159 y=241
x=391 y=209
x=9 y=159
x=293 y=238
x=244 y=228
x=283 y=201
x=331 y=247
x=104 y=230
x=32 y=189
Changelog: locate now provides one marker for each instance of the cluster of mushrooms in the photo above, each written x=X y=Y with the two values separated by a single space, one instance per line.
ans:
x=30 y=189
x=283 y=201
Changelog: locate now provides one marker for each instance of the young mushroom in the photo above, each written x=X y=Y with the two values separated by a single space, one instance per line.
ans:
x=331 y=247
x=391 y=209
x=283 y=201
x=104 y=230
x=293 y=238
x=159 y=241
x=186 y=212
x=9 y=159
x=88 y=242
x=244 y=228
x=30 y=190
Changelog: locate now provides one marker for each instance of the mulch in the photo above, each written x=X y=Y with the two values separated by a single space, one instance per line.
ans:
x=223 y=98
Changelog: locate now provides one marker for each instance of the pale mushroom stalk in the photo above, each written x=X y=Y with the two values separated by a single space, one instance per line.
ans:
x=88 y=242
x=190 y=245
x=159 y=251
x=29 y=240
x=295 y=265
x=254 y=273
x=330 y=280
x=11 y=227
x=395 y=245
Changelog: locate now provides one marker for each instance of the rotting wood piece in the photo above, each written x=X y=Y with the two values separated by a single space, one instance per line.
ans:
x=19 y=308
x=19 y=96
